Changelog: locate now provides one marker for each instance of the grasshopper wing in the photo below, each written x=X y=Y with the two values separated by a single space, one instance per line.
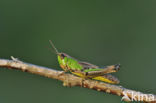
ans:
x=87 y=65
x=101 y=71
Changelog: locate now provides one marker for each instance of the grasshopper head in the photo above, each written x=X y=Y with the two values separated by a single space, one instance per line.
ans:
x=62 y=60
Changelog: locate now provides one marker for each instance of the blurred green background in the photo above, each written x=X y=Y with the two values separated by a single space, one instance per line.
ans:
x=102 y=32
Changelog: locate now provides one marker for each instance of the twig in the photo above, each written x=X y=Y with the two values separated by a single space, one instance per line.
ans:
x=71 y=80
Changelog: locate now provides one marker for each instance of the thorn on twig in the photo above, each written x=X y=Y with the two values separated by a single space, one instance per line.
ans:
x=16 y=59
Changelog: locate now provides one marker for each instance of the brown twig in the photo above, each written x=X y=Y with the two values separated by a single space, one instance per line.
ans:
x=71 y=80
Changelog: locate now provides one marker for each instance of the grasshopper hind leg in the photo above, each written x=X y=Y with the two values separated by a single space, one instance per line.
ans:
x=108 y=78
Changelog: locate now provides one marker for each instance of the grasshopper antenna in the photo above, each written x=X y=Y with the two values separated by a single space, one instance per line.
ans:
x=51 y=43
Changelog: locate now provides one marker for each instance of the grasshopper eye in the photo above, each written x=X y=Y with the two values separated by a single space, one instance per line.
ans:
x=62 y=55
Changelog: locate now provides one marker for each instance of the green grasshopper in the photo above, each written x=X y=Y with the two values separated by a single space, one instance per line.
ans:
x=86 y=70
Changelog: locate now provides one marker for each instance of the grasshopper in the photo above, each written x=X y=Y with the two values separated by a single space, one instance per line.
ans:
x=86 y=70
